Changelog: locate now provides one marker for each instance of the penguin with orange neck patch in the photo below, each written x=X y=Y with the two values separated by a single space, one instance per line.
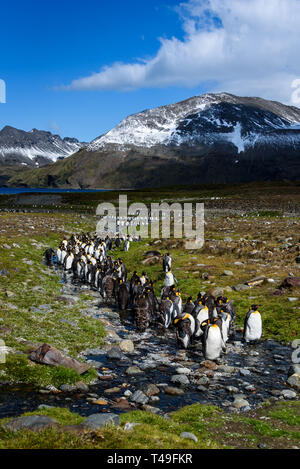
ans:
x=212 y=339
x=253 y=325
x=185 y=328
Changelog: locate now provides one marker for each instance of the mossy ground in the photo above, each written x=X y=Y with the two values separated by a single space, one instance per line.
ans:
x=34 y=284
x=273 y=426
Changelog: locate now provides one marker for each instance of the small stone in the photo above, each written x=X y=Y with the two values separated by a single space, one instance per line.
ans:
x=189 y=436
x=9 y=293
x=112 y=390
x=209 y=364
x=294 y=381
x=240 y=287
x=174 y=391
x=68 y=388
x=151 y=390
x=126 y=346
x=100 y=402
x=133 y=370
x=183 y=371
x=226 y=369
x=180 y=379
x=288 y=394
x=296 y=343
x=244 y=372
x=139 y=397
x=115 y=354
x=239 y=403
x=81 y=386
x=232 y=389
x=203 y=381
x=228 y=273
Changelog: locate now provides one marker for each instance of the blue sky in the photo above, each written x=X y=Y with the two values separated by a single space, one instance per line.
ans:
x=78 y=68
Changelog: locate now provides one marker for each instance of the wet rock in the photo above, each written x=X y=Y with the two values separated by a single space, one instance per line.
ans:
x=183 y=371
x=151 y=390
x=112 y=390
x=294 y=381
x=182 y=380
x=127 y=393
x=68 y=388
x=139 y=397
x=202 y=388
x=126 y=346
x=227 y=369
x=32 y=422
x=296 y=343
x=96 y=421
x=100 y=402
x=133 y=370
x=209 y=364
x=203 y=381
x=174 y=391
x=48 y=355
x=239 y=403
x=244 y=372
x=81 y=386
x=115 y=354
x=121 y=404
x=189 y=436
x=149 y=408
x=232 y=389
x=288 y=394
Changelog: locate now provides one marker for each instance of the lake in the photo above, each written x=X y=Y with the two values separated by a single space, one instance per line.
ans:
x=25 y=190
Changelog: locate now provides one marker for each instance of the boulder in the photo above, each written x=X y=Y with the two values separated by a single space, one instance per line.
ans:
x=48 y=355
x=32 y=422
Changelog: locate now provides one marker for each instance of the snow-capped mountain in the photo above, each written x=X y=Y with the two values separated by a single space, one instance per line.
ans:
x=209 y=139
x=35 y=148
x=206 y=119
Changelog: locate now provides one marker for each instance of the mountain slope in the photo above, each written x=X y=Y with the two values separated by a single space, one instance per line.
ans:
x=213 y=138
x=35 y=148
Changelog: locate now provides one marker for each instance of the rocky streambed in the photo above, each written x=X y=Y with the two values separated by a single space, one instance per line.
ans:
x=147 y=371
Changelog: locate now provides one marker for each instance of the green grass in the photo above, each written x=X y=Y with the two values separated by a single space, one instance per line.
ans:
x=213 y=427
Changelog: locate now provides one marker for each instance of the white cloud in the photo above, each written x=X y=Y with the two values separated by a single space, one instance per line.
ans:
x=248 y=47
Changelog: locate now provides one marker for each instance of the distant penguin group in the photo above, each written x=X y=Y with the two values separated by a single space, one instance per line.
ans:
x=207 y=319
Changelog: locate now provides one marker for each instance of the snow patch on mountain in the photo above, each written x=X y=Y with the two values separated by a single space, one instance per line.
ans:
x=201 y=119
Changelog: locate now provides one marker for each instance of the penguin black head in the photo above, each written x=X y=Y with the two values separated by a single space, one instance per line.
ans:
x=254 y=307
x=190 y=299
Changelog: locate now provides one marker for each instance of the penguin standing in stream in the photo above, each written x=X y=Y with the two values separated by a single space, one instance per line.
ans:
x=253 y=325
x=212 y=339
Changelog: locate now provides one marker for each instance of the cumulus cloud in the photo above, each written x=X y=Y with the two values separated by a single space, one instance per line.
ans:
x=247 y=47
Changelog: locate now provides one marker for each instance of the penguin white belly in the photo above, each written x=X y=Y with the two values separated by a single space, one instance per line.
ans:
x=193 y=325
x=63 y=255
x=58 y=254
x=213 y=345
x=253 y=327
x=69 y=262
x=202 y=316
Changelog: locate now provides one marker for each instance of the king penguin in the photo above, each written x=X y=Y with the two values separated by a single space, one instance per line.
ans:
x=253 y=325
